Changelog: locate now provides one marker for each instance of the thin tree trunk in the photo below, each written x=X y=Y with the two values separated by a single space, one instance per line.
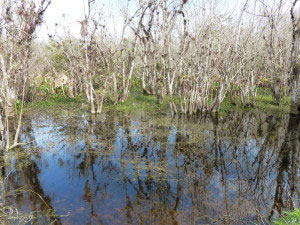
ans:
x=92 y=103
x=1 y=131
x=71 y=89
x=295 y=76
x=20 y=117
x=10 y=97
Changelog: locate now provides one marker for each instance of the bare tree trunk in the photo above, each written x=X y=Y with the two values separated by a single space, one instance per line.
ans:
x=99 y=99
x=233 y=97
x=295 y=76
x=71 y=89
x=276 y=92
x=115 y=86
x=1 y=131
x=20 y=118
x=92 y=103
x=9 y=96
x=160 y=93
x=295 y=92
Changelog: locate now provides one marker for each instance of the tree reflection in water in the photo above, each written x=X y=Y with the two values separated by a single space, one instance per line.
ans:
x=153 y=169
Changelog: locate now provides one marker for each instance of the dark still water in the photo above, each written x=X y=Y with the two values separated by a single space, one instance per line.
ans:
x=152 y=169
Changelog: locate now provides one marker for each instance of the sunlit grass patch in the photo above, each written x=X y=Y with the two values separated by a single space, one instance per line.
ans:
x=290 y=218
x=263 y=102
x=138 y=101
x=56 y=102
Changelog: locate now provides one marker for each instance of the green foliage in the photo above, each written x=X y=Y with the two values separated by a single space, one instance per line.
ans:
x=56 y=102
x=59 y=62
x=18 y=105
x=138 y=101
x=158 y=66
x=264 y=102
x=290 y=218
x=136 y=85
x=44 y=89
x=265 y=81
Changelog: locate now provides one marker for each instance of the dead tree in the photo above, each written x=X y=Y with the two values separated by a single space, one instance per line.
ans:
x=295 y=63
x=19 y=20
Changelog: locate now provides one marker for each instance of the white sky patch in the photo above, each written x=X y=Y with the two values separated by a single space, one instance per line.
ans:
x=68 y=13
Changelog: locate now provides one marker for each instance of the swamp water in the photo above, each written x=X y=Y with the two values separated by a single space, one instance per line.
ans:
x=151 y=169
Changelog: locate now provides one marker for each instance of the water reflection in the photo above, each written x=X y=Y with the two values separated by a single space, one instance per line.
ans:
x=145 y=169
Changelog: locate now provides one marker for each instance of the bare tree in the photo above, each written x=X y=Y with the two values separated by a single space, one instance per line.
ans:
x=201 y=57
x=295 y=62
x=19 y=21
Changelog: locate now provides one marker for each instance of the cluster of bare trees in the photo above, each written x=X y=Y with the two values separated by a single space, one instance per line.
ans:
x=196 y=52
x=18 y=22
x=205 y=59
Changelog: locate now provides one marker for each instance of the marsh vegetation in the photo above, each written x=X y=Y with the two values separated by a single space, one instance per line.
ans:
x=187 y=113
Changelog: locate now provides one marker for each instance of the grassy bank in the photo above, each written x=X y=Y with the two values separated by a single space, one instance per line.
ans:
x=56 y=102
x=264 y=103
x=137 y=101
x=290 y=218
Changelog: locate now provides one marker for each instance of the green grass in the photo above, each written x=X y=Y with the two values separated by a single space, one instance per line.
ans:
x=57 y=102
x=264 y=103
x=290 y=218
x=137 y=101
